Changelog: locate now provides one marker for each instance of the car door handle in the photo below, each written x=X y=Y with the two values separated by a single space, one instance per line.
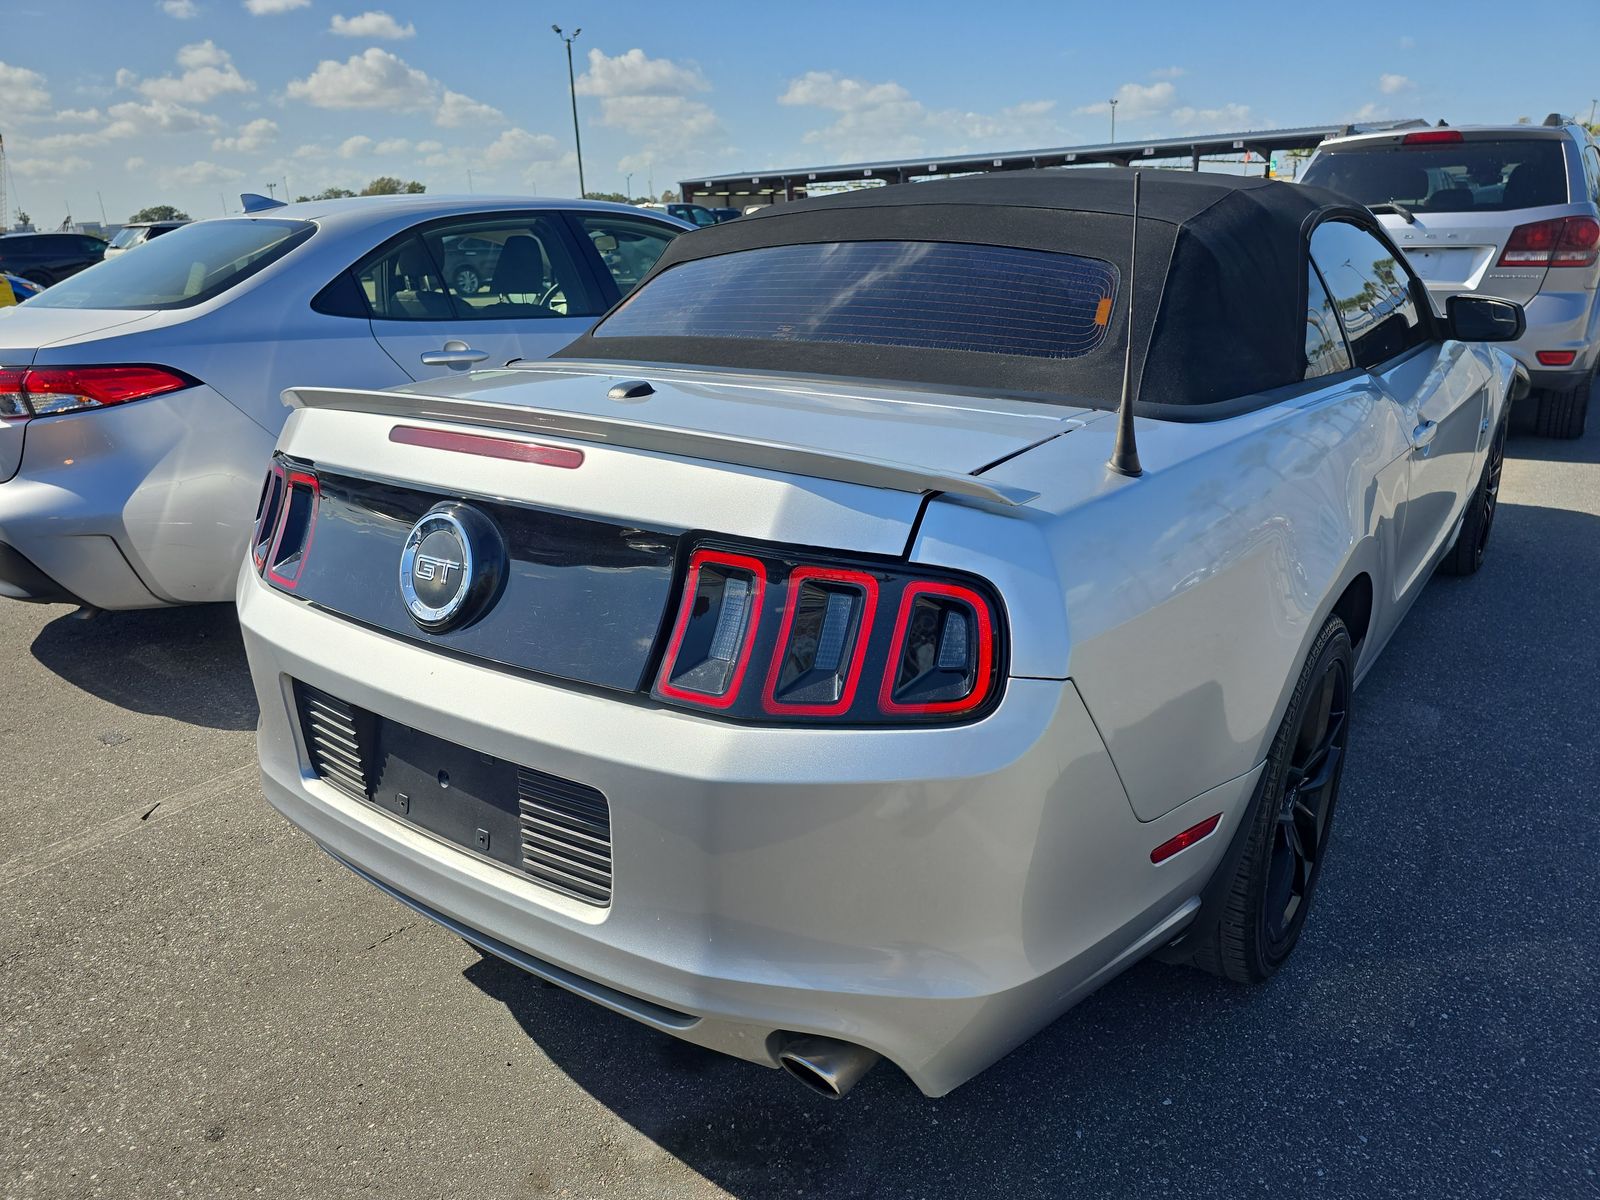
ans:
x=454 y=354
x=1423 y=434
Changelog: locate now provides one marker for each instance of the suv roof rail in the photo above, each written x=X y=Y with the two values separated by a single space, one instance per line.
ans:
x=1555 y=119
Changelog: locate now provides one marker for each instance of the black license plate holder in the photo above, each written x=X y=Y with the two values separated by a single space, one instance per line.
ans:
x=460 y=795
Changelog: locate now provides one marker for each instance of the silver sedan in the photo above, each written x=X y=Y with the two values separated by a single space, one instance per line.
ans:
x=905 y=612
x=139 y=399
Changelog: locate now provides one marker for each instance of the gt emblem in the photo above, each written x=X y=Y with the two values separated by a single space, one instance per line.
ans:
x=451 y=566
x=429 y=567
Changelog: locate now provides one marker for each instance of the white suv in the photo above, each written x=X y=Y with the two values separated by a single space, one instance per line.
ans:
x=1502 y=210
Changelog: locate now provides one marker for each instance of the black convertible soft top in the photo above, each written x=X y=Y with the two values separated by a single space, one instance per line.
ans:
x=1221 y=284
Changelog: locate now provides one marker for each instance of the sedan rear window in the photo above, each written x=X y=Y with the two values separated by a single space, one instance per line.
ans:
x=185 y=267
x=1467 y=176
x=927 y=295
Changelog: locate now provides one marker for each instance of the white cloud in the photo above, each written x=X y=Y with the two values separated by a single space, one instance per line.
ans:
x=637 y=74
x=881 y=120
x=44 y=170
x=131 y=119
x=355 y=147
x=456 y=110
x=374 y=78
x=374 y=24
x=429 y=147
x=134 y=163
x=208 y=72
x=1368 y=112
x=84 y=116
x=1389 y=84
x=252 y=138
x=196 y=174
x=1167 y=73
x=1227 y=117
x=397 y=145
x=517 y=146
x=182 y=10
x=1135 y=101
x=1407 y=43
x=264 y=8
x=24 y=90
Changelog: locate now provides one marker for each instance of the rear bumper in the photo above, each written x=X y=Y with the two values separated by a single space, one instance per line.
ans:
x=137 y=506
x=934 y=895
x=1560 y=321
x=21 y=580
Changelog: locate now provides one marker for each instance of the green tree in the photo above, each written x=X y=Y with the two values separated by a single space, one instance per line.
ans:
x=160 y=212
x=23 y=219
x=334 y=193
x=670 y=196
x=614 y=197
x=389 y=185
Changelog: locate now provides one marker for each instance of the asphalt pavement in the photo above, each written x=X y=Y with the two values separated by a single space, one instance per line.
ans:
x=194 y=1001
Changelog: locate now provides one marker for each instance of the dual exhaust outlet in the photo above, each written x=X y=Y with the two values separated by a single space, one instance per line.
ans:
x=826 y=1065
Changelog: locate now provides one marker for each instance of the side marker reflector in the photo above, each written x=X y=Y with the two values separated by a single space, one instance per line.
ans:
x=1185 y=839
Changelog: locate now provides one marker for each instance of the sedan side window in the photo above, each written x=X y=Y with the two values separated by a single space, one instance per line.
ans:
x=1372 y=289
x=628 y=247
x=1326 y=353
x=523 y=268
x=405 y=284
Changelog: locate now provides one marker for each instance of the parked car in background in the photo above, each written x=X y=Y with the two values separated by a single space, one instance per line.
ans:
x=14 y=289
x=697 y=215
x=802 y=664
x=1496 y=210
x=727 y=214
x=137 y=233
x=48 y=258
x=139 y=400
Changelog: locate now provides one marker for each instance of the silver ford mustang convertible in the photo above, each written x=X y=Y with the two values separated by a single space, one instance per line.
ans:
x=902 y=613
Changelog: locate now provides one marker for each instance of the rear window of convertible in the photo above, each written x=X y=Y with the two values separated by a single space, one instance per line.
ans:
x=928 y=295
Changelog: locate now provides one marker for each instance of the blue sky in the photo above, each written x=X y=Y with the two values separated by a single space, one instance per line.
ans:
x=176 y=101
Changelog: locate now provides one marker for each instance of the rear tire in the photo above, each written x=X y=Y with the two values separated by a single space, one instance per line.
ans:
x=1564 y=414
x=1264 y=906
x=1466 y=556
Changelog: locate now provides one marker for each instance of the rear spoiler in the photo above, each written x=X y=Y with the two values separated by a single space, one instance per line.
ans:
x=663 y=439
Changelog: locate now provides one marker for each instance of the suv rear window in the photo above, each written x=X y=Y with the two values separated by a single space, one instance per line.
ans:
x=1470 y=176
x=185 y=267
x=928 y=295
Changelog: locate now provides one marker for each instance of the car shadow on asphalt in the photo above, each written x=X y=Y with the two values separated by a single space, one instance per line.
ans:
x=1355 y=1069
x=185 y=663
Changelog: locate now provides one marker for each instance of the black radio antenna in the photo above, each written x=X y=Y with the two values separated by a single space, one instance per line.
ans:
x=1125 y=454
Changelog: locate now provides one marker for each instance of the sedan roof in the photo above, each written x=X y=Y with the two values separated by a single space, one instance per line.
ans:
x=1220 y=292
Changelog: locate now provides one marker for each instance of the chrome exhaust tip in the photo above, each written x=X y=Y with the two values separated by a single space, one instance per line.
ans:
x=826 y=1065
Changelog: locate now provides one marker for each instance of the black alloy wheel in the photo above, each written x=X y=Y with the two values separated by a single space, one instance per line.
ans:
x=1258 y=905
x=1305 y=809
x=1472 y=542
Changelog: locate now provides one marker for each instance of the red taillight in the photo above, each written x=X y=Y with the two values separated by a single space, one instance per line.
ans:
x=267 y=510
x=13 y=401
x=1558 y=242
x=1185 y=839
x=1556 y=358
x=1431 y=137
x=44 y=391
x=297 y=521
x=822 y=642
x=715 y=631
x=942 y=657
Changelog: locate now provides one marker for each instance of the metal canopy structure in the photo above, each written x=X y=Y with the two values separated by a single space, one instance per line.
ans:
x=752 y=187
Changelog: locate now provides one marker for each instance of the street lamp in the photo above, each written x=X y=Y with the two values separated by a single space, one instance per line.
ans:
x=629 y=187
x=1113 y=120
x=572 y=87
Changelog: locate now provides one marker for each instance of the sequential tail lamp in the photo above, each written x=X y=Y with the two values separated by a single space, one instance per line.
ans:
x=49 y=391
x=1432 y=137
x=1558 y=242
x=298 y=521
x=822 y=642
x=267 y=511
x=1185 y=839
x=715 y=631
x=942 y=657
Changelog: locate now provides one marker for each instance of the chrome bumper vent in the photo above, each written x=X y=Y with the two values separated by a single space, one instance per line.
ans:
x=566 y=835
x=339 y=738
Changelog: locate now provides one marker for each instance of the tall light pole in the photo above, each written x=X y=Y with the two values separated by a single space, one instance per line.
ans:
x=629 y=187
x=1592 y=103
x=572 y=87
x=1113 y=121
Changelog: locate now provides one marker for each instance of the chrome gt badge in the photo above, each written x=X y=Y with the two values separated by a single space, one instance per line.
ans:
x=452 y=564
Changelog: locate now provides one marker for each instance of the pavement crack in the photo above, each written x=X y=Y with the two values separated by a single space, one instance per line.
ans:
x=387 y=936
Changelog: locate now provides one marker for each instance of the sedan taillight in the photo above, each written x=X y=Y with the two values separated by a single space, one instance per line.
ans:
x=1558 y=242
x=46 y=391
x=840 y=642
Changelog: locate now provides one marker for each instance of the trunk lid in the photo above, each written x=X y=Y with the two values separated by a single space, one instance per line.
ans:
x=594 y=549
x=1457 y=253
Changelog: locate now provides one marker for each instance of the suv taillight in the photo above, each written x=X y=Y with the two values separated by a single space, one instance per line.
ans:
x=836 y=642
x=1558 y=242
